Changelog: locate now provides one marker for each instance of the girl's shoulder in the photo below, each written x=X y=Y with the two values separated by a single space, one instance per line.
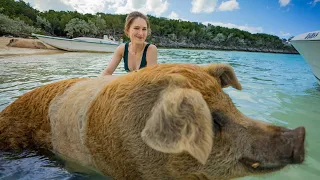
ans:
x=120 y=48
x=152 y=47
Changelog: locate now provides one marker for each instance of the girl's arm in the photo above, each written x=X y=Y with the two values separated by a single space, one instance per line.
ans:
x=152 y=55
x=118 y=54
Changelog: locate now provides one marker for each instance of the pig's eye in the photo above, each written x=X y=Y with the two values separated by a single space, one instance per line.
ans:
x=218 y=121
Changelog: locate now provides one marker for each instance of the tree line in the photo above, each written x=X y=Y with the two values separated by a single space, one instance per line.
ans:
x=18 y=18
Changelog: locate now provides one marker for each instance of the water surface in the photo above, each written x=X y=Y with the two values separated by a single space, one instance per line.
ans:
x=277 y=88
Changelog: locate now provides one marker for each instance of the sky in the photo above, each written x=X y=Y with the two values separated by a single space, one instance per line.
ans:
x=283 y=18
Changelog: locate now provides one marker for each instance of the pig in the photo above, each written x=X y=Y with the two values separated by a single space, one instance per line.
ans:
x=168 y=121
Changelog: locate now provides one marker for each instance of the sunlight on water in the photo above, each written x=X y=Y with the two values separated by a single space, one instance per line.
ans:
x=277 y=88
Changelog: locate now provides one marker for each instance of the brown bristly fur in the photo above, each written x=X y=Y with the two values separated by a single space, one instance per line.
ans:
x=167 y=121
x=68 y=118
x=134 y=96
x=25 y=122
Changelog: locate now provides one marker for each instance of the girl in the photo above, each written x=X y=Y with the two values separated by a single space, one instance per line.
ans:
x=136 y=53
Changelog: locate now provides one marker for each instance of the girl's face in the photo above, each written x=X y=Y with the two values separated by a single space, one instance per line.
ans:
x=138 y=31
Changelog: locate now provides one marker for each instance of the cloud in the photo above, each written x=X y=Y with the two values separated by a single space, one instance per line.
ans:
x=88 y=6
x=114 y=5
x=82 y=6
x=43 y=5
x=174 y=15
x=229 y=5
x=156 y=7
x=206 y=6
x=284 y=2
x=230 y=25
x=130 y=6
x=314 y=2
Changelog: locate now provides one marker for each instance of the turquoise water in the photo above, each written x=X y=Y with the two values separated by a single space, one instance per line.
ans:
x=277 y=88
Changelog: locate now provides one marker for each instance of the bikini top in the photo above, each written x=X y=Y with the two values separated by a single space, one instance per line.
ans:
x=143 y=60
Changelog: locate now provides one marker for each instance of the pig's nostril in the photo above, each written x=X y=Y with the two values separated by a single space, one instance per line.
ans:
x=298 y=150
x=293 y=151
x=298 y=157
x=298 y=153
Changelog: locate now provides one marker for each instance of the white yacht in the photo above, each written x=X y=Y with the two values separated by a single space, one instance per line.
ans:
x=308 y=45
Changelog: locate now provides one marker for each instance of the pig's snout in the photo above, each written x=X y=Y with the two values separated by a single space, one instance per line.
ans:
x=270 y=154
x=296 y=138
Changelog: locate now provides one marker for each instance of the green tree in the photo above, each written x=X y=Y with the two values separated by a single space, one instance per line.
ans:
x=164 y=30
x=100 y=24
x=44 y=24
x=15 y=27
x=77 y=27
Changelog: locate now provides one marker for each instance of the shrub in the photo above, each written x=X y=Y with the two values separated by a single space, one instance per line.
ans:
x=15 y=27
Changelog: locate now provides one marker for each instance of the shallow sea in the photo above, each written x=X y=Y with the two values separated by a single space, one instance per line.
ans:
x=277 y=88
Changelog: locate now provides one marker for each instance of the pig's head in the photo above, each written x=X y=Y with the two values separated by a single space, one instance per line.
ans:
x=197 y=124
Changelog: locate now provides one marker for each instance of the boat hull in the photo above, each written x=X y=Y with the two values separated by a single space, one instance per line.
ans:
x=308 y=45
x=75 y=45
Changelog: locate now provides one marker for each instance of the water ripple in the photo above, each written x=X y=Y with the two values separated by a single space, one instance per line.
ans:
x=277 y=88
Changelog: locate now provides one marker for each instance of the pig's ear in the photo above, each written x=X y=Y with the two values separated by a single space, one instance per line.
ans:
x=225 y=74
x=180 y=122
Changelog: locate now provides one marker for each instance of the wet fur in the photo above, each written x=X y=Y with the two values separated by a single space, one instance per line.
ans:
x=151 y=124
x=25 y=122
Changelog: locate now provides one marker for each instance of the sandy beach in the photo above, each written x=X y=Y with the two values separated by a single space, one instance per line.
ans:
x=11 y=46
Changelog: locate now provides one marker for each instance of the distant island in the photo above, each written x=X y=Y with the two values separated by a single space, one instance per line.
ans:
x=19 y=19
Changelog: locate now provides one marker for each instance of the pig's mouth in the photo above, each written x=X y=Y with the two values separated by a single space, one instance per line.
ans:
x=293 y=153
x=258 y=166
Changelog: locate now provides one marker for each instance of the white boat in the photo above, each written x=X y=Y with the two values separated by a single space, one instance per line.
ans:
x=308 y=45
x=80 y=44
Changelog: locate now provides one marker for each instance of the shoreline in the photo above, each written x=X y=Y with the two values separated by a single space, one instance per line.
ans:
x=165 y=42
x=16 y=46
x=225 y=48
x=229 y=50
